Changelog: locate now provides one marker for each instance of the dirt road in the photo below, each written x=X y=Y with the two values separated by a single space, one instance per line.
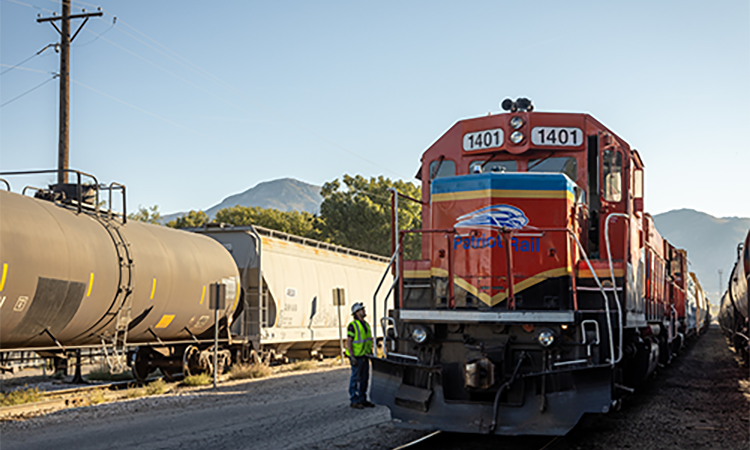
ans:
x=297 y=411
x=699 y=402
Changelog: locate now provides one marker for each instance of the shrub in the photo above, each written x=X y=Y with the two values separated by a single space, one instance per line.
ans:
x=97 y=396
x=157 y=387
x=200 y=379
x=20 y=396
x=246 y=371
x=302 y=365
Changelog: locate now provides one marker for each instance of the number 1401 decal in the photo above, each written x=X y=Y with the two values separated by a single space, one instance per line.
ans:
x=566 y=137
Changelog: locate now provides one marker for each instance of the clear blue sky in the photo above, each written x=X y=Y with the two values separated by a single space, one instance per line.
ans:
x=187 y=102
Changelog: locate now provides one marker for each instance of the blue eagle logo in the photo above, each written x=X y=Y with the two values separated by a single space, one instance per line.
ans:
x=494 y=216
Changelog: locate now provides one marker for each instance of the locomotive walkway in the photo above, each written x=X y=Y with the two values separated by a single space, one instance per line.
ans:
x=699 y=402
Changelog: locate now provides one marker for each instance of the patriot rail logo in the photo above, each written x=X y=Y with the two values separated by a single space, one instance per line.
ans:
x=494 y=216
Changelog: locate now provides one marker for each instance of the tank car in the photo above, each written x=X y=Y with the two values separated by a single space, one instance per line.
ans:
x=733 y=315
x=543 y=292
x=76 y=276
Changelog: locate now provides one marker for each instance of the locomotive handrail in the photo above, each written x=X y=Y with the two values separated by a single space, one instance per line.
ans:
x=606 y=302
x=385 y=301
x=612 y=274
x=448 y=231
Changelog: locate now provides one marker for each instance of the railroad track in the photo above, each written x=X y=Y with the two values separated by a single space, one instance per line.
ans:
x=460 y=441
x=73 y=398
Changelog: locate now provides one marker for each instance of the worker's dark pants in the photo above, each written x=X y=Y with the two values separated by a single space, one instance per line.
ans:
x=359 y=380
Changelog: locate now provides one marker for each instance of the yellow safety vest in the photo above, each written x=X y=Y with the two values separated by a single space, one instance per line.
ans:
x=362 y=337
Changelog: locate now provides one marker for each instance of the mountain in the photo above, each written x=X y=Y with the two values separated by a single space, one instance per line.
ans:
x=284 y=194
x=711 y=243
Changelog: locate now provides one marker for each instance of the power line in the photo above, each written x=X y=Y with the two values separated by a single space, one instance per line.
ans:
x=195 y=68
x=191 y=130
x=56 y=45
x=31 y=6
x=29 y=91
x=207 y=75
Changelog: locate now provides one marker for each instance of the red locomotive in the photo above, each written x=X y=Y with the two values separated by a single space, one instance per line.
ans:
x=544 y=291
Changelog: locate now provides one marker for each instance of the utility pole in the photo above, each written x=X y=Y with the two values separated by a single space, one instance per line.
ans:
x=721 y=282
x=65 y=40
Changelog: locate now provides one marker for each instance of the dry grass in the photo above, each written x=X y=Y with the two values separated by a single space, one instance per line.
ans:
x=96 y=396
x=302 y=365
x=157 y=387
x=134 y=393
x=20 y=396
x=200 y=379
x=249 y=371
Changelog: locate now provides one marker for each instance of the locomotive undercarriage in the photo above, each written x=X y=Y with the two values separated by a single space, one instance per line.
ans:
x=488 y=370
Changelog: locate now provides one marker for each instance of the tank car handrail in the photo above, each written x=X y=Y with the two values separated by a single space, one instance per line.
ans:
x=34 y=188
x=612 y=274
x=112 y=186
x=78 y=177
x=6 y=183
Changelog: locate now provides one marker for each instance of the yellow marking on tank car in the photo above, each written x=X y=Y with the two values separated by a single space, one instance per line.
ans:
x=165 y=321
x=203 y=295
x=153 y=290
x=91 y=284
x=236 y=293
x=5 y=273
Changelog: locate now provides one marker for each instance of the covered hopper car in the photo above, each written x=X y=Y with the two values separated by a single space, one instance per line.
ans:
x=544 y=291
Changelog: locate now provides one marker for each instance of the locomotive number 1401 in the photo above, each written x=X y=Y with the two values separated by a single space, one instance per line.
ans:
x=557 y=136
x=481 y=140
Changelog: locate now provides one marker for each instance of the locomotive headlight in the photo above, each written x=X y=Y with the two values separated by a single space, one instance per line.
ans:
x=546 y=338
x=516 y=122
x=516 y=137
x=419 y=334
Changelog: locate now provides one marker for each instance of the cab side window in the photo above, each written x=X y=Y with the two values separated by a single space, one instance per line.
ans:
x=612 y=174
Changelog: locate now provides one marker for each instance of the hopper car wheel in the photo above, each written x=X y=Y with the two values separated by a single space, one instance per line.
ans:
x=141 y=366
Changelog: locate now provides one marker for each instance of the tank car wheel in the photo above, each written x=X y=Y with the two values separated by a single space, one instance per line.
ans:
x=191 y=361
x=141 y=367
x=170 y=374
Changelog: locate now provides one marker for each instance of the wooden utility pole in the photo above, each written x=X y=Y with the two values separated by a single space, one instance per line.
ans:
x=65 y=40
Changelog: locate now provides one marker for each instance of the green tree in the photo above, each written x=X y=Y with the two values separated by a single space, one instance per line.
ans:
x=360 y=216
x=192 y=219
x=299 y=223
x=148 y=215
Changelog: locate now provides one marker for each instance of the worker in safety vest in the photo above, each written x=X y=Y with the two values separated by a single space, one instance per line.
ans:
x=358 y=346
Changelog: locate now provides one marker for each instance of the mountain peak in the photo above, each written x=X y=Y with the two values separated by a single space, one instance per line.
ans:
x=284 y=194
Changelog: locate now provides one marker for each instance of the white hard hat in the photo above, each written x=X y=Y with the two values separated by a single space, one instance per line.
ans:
x=357 y=306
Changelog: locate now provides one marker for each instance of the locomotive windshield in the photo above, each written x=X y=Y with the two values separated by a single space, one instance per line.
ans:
x=442 y=168
x=493 y=166
x=566 y=165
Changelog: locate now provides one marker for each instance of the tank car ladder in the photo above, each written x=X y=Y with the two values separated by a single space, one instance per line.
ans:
x=116 y=360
